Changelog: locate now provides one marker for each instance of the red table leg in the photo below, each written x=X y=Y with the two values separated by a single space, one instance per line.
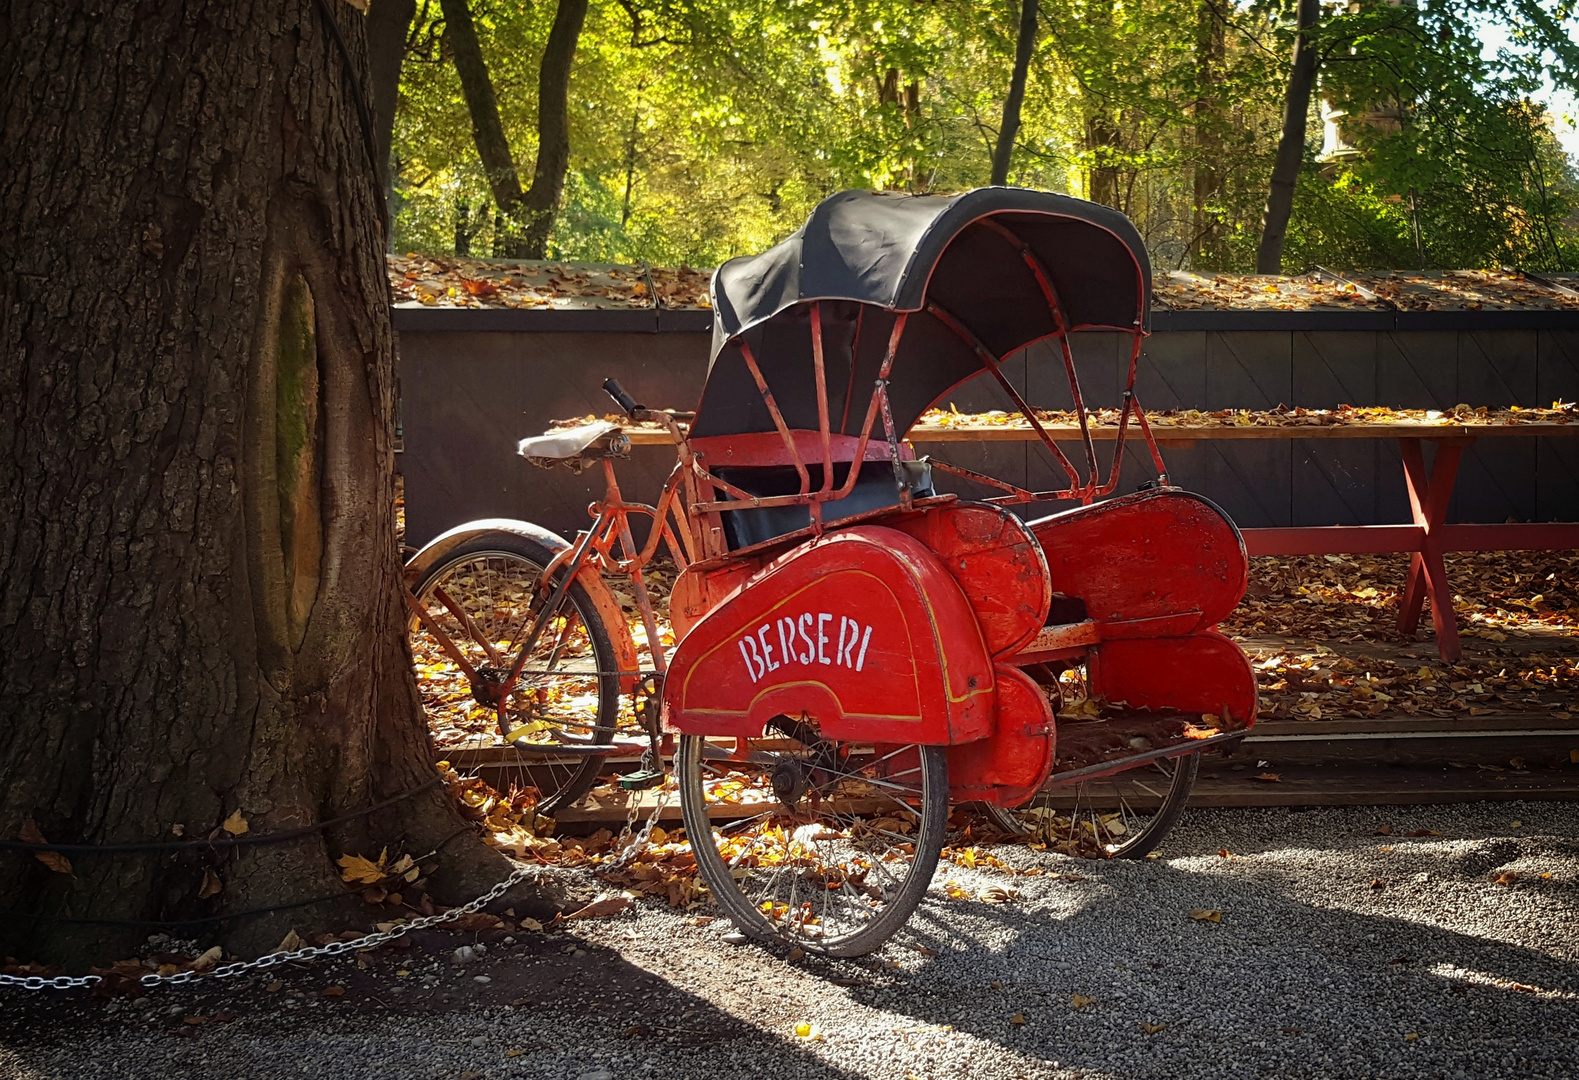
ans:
x=1428 y=498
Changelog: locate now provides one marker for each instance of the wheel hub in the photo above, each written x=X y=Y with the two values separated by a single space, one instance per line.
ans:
x=789 y=781
x=487 y=691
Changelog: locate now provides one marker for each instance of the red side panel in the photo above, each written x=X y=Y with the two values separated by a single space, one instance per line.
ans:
x=863 y=630
x=1008 y=767
x=1152 y=564
x=997 y=563
x=1202 y=673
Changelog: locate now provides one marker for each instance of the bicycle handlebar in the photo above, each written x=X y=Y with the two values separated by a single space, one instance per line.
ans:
x=622 y=399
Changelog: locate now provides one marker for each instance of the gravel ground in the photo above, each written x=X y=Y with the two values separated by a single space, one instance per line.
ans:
x=1340 y=953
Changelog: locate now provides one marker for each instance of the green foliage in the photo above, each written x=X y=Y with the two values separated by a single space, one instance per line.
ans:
x=702 y=129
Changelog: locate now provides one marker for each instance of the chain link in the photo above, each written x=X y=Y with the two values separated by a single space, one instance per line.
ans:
x=307 y=952
x=639 y=844
x=367 y=941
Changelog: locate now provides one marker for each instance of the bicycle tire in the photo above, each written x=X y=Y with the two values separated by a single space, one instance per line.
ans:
x=522 y=560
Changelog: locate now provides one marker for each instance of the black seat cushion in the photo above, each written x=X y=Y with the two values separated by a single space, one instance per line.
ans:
x=874 y=489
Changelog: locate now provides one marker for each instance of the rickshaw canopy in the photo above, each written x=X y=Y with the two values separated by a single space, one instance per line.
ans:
x=1007 y=266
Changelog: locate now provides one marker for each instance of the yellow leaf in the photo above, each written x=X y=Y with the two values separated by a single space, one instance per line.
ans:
x=356 y=870
x=235 y=824
x=1151 y=1029
x=1019 y=1018
x=513 y=1053
x=1411 y=1037
x=1206 y=915
x=1081 y=1002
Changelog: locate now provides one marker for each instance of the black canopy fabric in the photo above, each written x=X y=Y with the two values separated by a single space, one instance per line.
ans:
x=868 y=255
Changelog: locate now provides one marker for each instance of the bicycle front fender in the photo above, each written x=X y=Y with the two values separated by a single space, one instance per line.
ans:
x=603 y=601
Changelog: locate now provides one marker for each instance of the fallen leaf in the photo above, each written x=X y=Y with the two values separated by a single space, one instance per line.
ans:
x=1019 y=1018
x=1411 y=1037
x=235 y=824
x=208 y=959
x=1507 y=877
x=609 y=905
x=530 y=925
x=1383 y=830
x=513 y=1053
x=53 y=859
x=334 y=991
x=795 y=954
x=1269 y=777
x=211 y=885
x=289 y=943
x=1151 y=1029
x=1081 y=1002
x=1378 y=883
x=922 y=949
x=1202 y=914
x=356 y=870
x=273 y=987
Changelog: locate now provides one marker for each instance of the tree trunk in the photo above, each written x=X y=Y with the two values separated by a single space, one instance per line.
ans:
x=477 y=88
x=1206 y=231
x=1025 y=45
x=1291 y=146
x=531 y=212
x=553 y=127
x=199 y=584
x=388 y=24
x=1102 y=136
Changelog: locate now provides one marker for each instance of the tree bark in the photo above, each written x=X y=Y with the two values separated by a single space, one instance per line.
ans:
x=1025 y=45
x=531 y=213
x=1291 y=145
x=199 y=583
x=388 y=24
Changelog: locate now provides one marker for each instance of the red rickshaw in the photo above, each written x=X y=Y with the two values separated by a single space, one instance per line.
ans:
x=854 y=650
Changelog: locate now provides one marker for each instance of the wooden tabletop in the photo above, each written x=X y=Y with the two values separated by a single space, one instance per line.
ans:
x=1165 y=433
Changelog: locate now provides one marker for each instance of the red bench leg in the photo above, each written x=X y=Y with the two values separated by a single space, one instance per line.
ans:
x=1429 y=494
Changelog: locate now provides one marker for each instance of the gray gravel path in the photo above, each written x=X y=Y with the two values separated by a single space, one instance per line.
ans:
x=1340 y=953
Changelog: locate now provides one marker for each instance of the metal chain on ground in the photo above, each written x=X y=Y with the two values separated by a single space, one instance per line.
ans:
x=639 y=844
x=307 y=952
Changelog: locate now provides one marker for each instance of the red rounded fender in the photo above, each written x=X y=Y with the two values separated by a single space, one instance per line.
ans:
x=863 y=630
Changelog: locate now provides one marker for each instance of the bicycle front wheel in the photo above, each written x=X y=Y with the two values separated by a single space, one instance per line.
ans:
x=824 y=845
x=483 y=598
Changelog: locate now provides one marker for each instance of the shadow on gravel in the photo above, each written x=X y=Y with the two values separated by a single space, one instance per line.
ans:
x=1111 y=974
x=553 y=1005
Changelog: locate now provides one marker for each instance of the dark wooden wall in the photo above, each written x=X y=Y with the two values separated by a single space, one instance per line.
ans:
x=473 y=383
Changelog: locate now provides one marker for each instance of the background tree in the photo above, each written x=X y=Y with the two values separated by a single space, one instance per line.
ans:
x=1025 y=45
x=199 y=603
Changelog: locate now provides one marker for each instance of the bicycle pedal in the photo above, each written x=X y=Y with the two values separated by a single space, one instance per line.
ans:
x=641 y=780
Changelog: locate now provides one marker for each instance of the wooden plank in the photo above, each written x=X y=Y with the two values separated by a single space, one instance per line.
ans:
x=1379 y=785
x=1061 y=432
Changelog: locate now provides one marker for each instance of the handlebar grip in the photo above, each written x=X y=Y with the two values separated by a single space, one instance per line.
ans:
x=621 y=398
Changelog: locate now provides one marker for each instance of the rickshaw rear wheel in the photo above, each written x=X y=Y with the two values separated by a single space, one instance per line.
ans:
x=839 y=870
x=574 y=696
x=1113 y=817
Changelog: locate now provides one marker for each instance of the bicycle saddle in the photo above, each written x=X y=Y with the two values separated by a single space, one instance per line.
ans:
x=578 y=446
